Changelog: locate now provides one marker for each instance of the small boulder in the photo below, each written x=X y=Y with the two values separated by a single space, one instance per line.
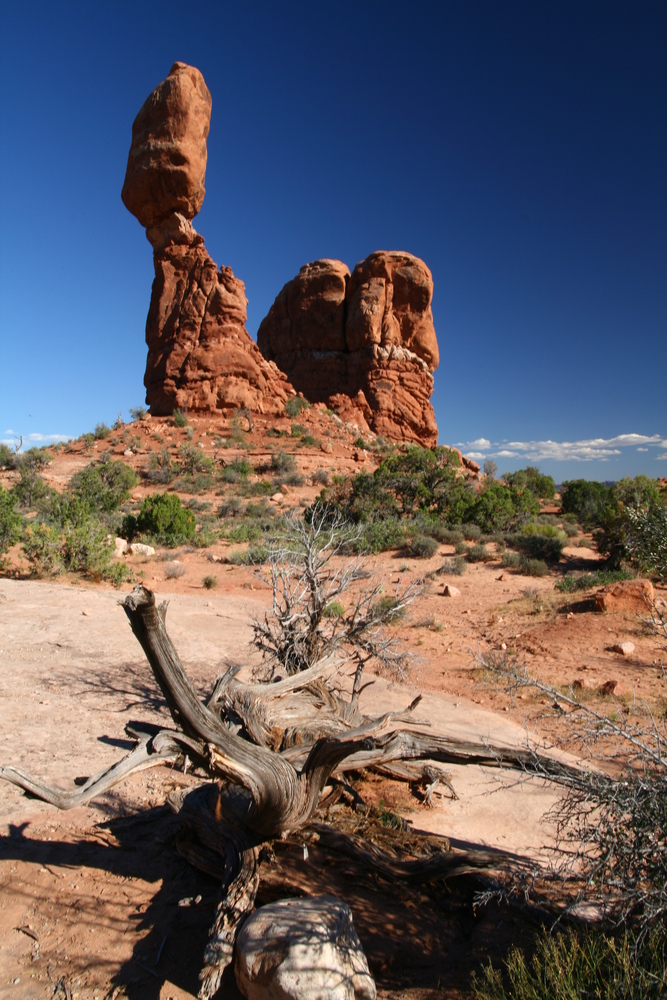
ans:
x=451 y=591
x=120 y=546
x=624 y=648
x=140 y=549
x=327 y=447
x=302 y=949
x=628 y=595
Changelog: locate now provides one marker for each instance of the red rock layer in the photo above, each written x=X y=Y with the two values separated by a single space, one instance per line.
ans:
x=363 y=343
x=200 y=355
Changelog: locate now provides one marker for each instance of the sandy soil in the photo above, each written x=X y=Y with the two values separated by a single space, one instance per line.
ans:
x=97 y=903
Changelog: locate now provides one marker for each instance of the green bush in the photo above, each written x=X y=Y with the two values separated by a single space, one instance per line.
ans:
x=496 y=506
x=544 y=547
x=192 y=459
x=294 y=406
x=163 y=516
x=472 y=532
x=334 y=610
x=510 y=560
x=10 y=521
x=7 y=457
x=42 y=547
x=587 y=501
x=137 y=412
x=30 y=488
x=104 y=486
x=533 y=567
x=453 y=567
x=530 y=478
x=479 y=553
x=571 y=582
x=281 y=462
x=423 y=547
x=381 y=535
x=570 y=966
x=646 y=538
x=209 y=582
x=298 y=430
x=179 y=418
x=102 y=431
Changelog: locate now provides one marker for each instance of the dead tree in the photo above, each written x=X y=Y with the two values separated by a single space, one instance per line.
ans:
x=267 y=783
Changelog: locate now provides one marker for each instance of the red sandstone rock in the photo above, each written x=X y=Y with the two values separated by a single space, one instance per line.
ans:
x=628 y=595
x=200 y=356
x=364 y=343
x=167 y=161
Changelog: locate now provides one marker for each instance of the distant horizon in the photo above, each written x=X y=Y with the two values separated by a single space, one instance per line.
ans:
x=518 y=149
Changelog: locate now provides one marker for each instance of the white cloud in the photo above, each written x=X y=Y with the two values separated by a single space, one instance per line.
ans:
x=476 y=455
x=33 y=439
x=664 y=455
x=586 y=450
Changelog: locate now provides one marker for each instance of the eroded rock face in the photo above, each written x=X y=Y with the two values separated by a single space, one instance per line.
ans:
x=363 y=343
x=200 y=355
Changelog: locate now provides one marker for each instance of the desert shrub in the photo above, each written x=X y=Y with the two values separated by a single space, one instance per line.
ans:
x=452 y=567
x=471 y=532
x=496 y=506
x=510 y=560
x=542 y=547
x=137 y=412
x=241 y=466
x=533 y=567
x=530 y=478
x=320 y=476
x=334 y=609
x=255 y=555
x=587 y=500
x=460 y=548
x=163 y=516
x=361 y=443
x=490 y=468
x=281 y=462
x=173 y=570
x=104 y=486
x=200 y=482
x=389 y=609
x=423 y=547
x=85 y=548
x=192 y=460
x=640 y=493
x=179 y=418
x=230 y=507
x=298 y=430
x=292 y=479
x=30 y=488
x=294 y=406
x=381 y=535
x=102 y=431
x=567 y=965
x=448 y=536
x=479 y=553
x=646 y=538
x=10 y=521
x=572 y=582
x=209 y=582
x=161 y=468
x=244 y=532
x=34 y=458
x=42 y=547
x=8 y=457
x=571 y=530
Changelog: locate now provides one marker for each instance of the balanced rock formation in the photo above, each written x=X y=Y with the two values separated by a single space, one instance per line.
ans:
x=364 y=343
x=200 y=355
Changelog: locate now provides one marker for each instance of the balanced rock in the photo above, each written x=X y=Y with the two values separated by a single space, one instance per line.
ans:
x=302 y=949
x=200 y=355
x=364 y=343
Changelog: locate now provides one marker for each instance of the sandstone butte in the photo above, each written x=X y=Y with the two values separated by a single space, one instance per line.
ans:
x=200 y=355
x=364 y=343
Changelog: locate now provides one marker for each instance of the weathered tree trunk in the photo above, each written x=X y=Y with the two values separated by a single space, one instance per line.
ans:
x=262 y=794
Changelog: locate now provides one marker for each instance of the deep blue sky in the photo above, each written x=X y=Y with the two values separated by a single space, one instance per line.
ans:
x=519 y=148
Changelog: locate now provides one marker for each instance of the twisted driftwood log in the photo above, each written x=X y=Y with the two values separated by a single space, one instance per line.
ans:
x=263 y=793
